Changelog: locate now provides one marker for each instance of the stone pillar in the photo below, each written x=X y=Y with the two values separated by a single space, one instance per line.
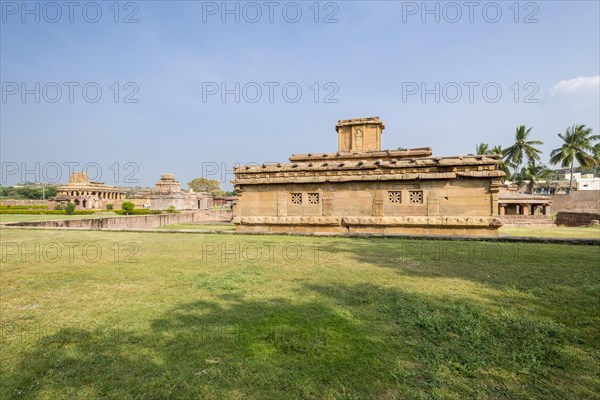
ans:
x=377 y=206
x=525 y=208
x=433 y=206
x=327 y=203
x=282 y=201
x=502 y=209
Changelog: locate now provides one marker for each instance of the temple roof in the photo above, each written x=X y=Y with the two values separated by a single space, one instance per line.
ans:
x=479 y=166
x=516 y=198
x=365 y=155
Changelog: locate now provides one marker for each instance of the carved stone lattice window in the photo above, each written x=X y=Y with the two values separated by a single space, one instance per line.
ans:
x=296 y=198
x=313 y=198
x=395 y=197
x=415 y=197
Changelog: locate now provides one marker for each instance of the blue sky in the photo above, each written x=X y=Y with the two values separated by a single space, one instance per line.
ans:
x=545 y=60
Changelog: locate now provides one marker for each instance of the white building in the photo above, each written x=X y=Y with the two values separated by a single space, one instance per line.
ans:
x=582 y=182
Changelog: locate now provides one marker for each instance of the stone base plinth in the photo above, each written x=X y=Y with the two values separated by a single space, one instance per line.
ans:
x=448 y=226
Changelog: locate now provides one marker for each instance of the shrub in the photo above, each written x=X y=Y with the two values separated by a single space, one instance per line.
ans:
x=171 y=209
x=70 y=208
x=59 y=206
x=140 y=211
x=110 y=206
x=128 y=207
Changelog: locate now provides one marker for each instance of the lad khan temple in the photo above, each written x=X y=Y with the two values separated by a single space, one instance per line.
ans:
x=364 y=189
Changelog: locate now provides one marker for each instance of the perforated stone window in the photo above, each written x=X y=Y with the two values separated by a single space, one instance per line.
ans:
x=313 y=198
x=395 y=197
x=296 y=198
x=415 y=197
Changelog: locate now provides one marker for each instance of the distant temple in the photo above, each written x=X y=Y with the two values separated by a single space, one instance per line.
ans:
x=88 y=194
x=363 y=189
x=167 y=193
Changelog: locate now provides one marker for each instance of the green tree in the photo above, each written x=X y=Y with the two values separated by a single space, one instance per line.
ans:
x=596 y=155
x=504 y=165
x=70 y=208
x=482 y=148
x=200 y=184
x=128 y=207
x=523 y=147
x=577 y=145
x=533 y=173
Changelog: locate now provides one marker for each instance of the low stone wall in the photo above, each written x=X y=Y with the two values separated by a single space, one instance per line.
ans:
x=135 y=221
x=577 y=218
x=216 y=215
x=576 y=200
x=508 y=220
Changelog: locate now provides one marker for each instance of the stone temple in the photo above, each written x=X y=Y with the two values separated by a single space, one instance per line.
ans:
x=364 y=189
x=167 y=193
x=88 y=194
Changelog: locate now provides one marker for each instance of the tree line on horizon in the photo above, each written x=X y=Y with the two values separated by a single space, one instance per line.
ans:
x=521 y=160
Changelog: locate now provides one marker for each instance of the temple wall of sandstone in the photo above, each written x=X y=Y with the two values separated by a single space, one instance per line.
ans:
x=437 y=198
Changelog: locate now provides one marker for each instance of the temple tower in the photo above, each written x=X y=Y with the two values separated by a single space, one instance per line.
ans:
x=359 y=134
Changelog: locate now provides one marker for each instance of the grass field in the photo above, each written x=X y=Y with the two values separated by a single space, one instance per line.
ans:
x=160 y=316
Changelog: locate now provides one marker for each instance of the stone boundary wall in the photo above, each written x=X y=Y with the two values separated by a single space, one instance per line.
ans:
x=576 y=200
x=134 y=221
x=577 y=218
x=508 y=220
x=216 y=215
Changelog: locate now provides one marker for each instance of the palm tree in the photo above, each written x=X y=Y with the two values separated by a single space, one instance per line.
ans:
x=482 y=148
x=523 y=147
x=533 y=173
x=596 y=155
x=577 y=143
x=504 y=165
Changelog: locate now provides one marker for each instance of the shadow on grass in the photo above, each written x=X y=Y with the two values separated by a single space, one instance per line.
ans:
x=204 y=350
x=358 y=341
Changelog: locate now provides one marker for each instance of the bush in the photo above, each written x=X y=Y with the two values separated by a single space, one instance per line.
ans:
x=171 y=209
x=59 y=206
x=70 y=208
x=128 y=207
x=110 y=206
x=140 y=211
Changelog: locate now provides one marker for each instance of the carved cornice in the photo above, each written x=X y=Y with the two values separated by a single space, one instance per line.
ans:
x=364 y=155
x=429 y=168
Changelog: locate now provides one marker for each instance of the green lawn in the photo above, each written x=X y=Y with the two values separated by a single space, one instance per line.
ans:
x=585 y=232
x=200 y=227
x=5 y=218
x=175 y=316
